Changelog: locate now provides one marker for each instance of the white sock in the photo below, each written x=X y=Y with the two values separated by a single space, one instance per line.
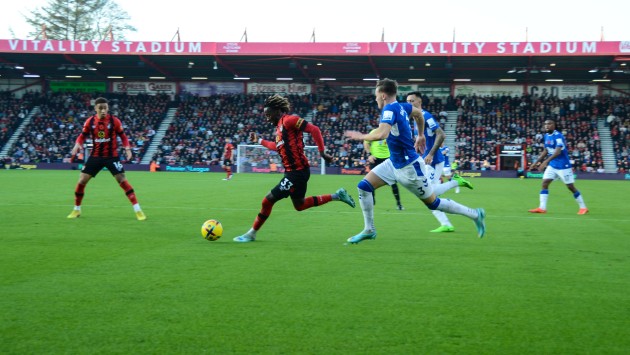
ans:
x=77 y=208
x=251 y=232
x=439 y=189
x=580 y=201
x=451 y=206
x=136 y=207
x=543 y=201
x=442 y=218
x=367 y=206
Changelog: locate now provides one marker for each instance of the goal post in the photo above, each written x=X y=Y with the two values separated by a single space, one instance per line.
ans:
x=254 y=158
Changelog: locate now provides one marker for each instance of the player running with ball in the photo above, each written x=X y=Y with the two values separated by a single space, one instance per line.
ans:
x=289 y=144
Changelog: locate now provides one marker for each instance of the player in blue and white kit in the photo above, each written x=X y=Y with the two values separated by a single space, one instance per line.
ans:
x=555 y=160
x=434 y=160
x=444 y=149
x=447 y=172
x=404 y=165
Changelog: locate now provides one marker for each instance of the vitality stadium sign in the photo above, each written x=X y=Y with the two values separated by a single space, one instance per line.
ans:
x=321 y=48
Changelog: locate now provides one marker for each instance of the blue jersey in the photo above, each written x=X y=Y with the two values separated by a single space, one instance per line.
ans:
x=445 y=151
x=430 y=126
x=552 y=141
x=400 y=140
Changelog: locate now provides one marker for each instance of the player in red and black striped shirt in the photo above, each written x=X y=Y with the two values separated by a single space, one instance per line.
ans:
x=228 y=150
x=104 y=129
x=289 y=144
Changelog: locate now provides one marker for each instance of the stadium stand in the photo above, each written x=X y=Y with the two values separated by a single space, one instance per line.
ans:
x=50 y=135
x=196 y=135
x=12 y=112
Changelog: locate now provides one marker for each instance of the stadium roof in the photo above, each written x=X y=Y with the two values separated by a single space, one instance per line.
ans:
x=311 y=62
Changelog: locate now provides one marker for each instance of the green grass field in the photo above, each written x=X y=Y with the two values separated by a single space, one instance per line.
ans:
x=108 y=284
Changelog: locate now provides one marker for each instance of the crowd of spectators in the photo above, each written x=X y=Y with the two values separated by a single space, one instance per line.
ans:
x=618 y=120
x=486 y=122
x=51 y=133
x=12 y=112
x=197 y=134
x=201 y=124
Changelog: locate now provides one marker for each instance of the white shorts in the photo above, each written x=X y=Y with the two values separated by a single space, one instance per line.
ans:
x=435 y=174
x=447 y=171
x=413 y=177
x=566 y=175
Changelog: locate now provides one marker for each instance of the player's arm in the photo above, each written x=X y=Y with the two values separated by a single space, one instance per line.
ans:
x=123 y=138
x=382 y=132
x=556 y=153
x=78 y=145
x=267 y=144
x=366 y=147
x=253 y=137
x=438 y=142
x=540 y=159
x=316 y=133
x=421 y=140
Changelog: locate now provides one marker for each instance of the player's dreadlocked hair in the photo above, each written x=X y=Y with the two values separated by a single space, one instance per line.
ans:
x=278 y=102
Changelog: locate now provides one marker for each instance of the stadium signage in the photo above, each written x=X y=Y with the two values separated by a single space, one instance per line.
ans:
x=81 y=86
x=511 y=149
x=322 y=48
x=189 y=168
x=111 y=47
x=564 y=91
x=144 y=87
x=260 y=88
x=517 y=48
x=352 y=171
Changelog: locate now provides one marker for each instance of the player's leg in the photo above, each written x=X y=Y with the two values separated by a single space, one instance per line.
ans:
x=379 y=176
x=79 y=192
x=373 y=165
x=434 y=174
x=455 y=182
x=549 y=175
x=567 y=177
x=279 y=192
x=91 y=168
x=227 y=167
x=396 y=193
x=419 y=185
x=300 y=203
x=265 y=211
x=478 y=215
x=117 y=170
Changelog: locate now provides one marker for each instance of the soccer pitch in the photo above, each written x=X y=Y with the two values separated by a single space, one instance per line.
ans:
x=106 y=283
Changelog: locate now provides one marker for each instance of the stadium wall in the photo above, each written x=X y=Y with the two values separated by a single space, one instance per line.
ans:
x=329 y=171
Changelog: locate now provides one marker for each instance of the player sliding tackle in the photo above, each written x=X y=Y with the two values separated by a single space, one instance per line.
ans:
x=405 y=165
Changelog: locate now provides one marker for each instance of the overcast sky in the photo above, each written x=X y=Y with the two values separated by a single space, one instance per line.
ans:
x=359 y=21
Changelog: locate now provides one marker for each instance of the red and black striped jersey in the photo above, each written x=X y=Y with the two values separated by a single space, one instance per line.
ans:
x=104 y=134
x=228 y=150
x=290 y=142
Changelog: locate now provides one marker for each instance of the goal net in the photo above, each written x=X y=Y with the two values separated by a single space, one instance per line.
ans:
x=255 y=158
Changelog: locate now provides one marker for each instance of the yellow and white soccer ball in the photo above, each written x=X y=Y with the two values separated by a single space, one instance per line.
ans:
x=211 y=230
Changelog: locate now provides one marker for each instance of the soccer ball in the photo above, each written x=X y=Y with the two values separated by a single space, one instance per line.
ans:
x=211 y=230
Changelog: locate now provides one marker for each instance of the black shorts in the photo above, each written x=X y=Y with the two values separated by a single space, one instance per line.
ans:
x=377 y=161
x=227 y=162
x=94 y=166
x=292 y=184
